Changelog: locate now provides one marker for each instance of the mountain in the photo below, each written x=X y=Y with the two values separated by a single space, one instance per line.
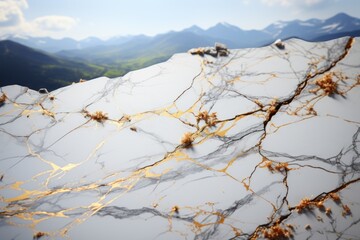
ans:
x=341 y=23
x=56 y=45
x=336 y=35
x=263 y=143
x=235 y=37
x=35 y=69
x=123 y=39
x=46 y=43
x=312 y=29
x=195 y=29
x=87 y=42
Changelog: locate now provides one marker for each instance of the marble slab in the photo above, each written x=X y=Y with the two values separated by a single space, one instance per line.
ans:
x=261 y=143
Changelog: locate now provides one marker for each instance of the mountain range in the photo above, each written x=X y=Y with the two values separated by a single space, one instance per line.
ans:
x=119 y=55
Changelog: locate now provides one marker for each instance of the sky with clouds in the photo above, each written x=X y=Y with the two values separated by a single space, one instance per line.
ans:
x=106 y=18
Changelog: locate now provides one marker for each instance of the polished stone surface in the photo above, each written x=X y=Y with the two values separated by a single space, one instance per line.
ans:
x=262 y=143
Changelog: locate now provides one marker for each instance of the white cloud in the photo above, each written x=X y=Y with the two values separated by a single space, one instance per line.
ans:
x=11 y=12
x=54 y=23
x=13 y=22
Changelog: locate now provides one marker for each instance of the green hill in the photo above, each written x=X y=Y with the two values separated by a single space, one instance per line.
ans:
x=35 y=69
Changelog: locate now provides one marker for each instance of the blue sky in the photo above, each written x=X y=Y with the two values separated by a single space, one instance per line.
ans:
x=106 y=18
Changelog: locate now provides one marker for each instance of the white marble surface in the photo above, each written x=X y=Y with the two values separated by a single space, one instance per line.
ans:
x=276 y=139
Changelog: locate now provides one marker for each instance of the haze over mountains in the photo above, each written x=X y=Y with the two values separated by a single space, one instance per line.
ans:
x=119 y=55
